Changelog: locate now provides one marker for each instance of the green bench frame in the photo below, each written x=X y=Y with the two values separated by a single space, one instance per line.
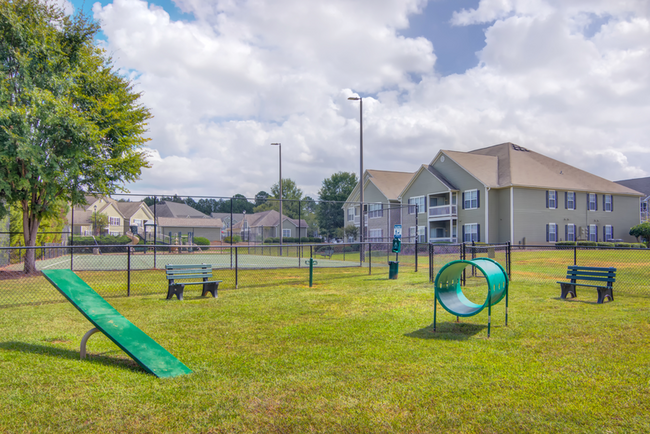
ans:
x=606 y=276
x=196 y=271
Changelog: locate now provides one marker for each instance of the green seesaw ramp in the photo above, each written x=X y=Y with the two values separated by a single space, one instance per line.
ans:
x=138 y=345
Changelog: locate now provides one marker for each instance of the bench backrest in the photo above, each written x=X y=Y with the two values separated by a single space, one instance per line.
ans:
x=195 y=271
x=594 y=274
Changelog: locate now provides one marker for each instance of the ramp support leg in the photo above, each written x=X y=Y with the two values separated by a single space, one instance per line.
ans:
x=82 y=348
x=435 y=308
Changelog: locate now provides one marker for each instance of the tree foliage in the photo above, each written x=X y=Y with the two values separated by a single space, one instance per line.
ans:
x=291 y=197
x=332 y=195
x=642 y=231
x=69 y=123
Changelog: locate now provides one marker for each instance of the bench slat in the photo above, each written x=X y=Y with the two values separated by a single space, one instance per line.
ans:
x=188 y=276
x=597 y=279
x=577 y=267
x=590 y=273
x=202 y=283
x=174 y=267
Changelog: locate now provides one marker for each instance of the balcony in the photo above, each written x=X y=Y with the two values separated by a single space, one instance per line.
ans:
x=444 y=211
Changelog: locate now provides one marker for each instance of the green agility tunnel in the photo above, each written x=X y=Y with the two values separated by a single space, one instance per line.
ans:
x=450 y=294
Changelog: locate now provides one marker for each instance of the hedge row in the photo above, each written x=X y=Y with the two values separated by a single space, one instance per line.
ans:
x=293 y=240
x=600 y=244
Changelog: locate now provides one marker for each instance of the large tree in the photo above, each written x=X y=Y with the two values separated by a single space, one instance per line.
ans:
x=69 y=122
x=332 y=195
x=291 y=195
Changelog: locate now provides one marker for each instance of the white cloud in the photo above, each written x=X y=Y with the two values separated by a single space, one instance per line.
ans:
x=247 y=73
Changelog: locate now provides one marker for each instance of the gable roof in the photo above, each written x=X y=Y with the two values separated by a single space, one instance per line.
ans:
x=389 y=183
x=507 y=164
x=129 y=208
x=268 y=218
x=189 y=222
x=177 y=210
x=639 y=184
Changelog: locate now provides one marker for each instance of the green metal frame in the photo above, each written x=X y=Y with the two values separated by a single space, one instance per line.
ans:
x=450 y=295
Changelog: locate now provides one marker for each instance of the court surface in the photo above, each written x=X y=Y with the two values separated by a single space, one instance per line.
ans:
x=140 y=261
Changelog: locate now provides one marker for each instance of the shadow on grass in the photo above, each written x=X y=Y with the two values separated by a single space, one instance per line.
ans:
x=576 y=300
x=70 y=354
x=448 y=331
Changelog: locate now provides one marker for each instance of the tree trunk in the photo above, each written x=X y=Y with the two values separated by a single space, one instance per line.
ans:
x=30 y=229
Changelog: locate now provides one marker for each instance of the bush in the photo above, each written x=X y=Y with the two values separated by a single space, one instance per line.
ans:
x=235 y=239
x=604 y=244
x=201 y=241
x=587 y=243
x=638 y=245
x=565 y=243
x=628 y=245
x=293 y=240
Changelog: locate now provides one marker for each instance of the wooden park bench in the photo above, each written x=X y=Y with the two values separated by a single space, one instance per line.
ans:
x=327 y=251
x=200 y=271
x=603 y=277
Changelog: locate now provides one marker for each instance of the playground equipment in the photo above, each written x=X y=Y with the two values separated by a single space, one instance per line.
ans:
x=134 y=239
x=450 y=294
x=138 y=345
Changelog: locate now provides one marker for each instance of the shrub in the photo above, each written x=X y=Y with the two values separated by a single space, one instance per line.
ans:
x=604 y=244
x=623 y=245
x=235 y=239
x=638 y=245
x=587 y=243
x=201 y=241
x=565 y=243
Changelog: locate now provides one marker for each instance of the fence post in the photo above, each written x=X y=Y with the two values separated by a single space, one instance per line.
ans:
x=431 y=272
x=575 y=255
x=509 y=259
x=236 y=267
x=128 y=278
x=369 y=258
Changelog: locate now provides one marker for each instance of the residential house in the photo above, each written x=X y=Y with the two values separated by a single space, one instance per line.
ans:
x=138 y=218
x=260 y=226
x=84 y=223
x=170 y=227
x=509 y=193
x=381 y=201
x=641 y=185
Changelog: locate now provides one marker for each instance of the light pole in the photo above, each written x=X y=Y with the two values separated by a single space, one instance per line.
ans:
x=361 y=224
x=95 y=226
x=279 y=145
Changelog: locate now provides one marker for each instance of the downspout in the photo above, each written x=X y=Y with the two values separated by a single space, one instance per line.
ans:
x=487 y=215
x=512 y=215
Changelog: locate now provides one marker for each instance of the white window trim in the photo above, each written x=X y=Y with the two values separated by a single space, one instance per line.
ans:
x=571 y=225
x=422 y=209
x=554 y=199
x=595 y=202
x=554 y=226
x=574 y=201
x=286 y=235
x=377 y=212
x=465 y=193
x=610 y=203
x=595 y=233
x=611 y=233
x=471 y=234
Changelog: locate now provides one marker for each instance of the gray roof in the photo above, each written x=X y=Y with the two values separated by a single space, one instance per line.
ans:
x=267 y=219
x=177 y=210
x=508 y=164
x=190 y=222
x=638 y=184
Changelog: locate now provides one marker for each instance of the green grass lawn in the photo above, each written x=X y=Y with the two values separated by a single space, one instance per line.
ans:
x=352 y=354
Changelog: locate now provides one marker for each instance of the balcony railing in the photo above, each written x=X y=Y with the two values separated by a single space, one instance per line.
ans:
x=443 y=211
x=443 y=240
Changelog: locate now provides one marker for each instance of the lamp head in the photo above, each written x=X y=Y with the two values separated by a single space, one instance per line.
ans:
x=276 y=144
x=354 y=98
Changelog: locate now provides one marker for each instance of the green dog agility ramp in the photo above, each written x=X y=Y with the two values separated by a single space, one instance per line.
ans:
x=450 y=294
x=138 y=345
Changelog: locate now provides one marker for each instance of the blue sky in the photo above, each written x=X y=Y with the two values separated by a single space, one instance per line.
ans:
x=225 y=78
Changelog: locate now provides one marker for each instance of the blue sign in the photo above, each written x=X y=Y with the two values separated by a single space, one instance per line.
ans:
x=397 y=231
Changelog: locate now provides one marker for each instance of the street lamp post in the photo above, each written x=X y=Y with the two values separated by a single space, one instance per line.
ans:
x=279 y=145
x=361 y=224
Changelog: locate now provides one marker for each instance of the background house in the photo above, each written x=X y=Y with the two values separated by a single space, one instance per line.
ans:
x=260 y=226
x=170 y=227
x=509 y=193
x=641 y=185
x=83 y=223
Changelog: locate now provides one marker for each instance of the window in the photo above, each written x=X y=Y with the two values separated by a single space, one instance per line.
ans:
x=570 y=232
x=592 y=202
x=115 y=234
x=569 y=200
x=375 y=210
x=114 y=221
x=470 y=199
x=137 y=222
x=419 y=201
x=420 y=237
x=350 y=214
x=593 y=233
x=376 y=235
x=286 y=233
x=608 y=232
x=471 y=233
x=608 y=203
x=551 y=233
x=551 y=199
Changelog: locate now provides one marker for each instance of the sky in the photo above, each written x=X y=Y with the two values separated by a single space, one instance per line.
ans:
x=224 y=79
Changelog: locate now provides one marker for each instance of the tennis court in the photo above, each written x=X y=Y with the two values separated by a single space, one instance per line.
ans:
x=119 y=261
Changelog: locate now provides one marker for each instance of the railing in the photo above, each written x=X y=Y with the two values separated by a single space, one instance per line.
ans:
x=443 y=240
x=443 y=211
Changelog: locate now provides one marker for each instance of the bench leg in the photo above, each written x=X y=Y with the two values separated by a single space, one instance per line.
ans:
x=210 y=287
x=175 y=289
x=568 y=288
x=603 y=292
